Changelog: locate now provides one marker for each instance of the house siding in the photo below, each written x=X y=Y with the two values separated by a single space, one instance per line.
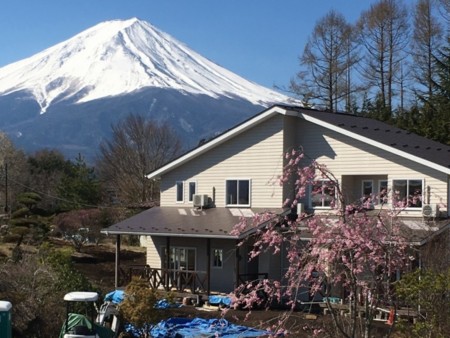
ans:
x=153 y=258
x=222 y=279
x=256 y=155
x=346 y=156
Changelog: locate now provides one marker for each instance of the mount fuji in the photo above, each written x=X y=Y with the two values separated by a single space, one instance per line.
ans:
x=68 y=96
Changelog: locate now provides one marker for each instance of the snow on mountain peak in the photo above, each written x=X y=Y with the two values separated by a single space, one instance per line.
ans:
x=121 y=56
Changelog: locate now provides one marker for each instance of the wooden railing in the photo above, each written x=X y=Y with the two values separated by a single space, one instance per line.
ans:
x=168 y=279
x=250 y=277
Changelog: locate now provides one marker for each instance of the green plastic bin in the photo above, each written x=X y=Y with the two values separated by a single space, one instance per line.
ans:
x=5 y=319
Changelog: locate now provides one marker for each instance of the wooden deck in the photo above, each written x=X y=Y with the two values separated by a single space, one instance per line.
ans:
x=166 y=279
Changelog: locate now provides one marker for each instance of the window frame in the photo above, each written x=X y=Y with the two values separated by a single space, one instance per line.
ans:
x=178 y=185
x=385 y=196
x=176 y=263
x=237 y=204
x=408 y=206
x=191 y=195
x=322 y=207
x=363 y=194
x=214 y=262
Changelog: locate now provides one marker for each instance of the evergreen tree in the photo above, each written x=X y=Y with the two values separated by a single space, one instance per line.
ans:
x=79 y=187
x=434 y=115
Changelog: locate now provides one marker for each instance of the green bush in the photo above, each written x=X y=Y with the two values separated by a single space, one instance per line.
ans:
x=69 y=279
x=138 y=307
x=428 y=291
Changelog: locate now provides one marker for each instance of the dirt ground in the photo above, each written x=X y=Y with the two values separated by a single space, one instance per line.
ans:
x=97 y=262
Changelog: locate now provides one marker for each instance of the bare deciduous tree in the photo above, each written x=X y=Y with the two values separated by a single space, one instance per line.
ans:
x=328 y=58
x=426 y=41
x=137 y=146
x=12 y=171
x=383 y=31
x=444 y=8
x=30 y=286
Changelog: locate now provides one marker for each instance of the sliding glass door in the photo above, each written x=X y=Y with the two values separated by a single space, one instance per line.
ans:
x=180 y=258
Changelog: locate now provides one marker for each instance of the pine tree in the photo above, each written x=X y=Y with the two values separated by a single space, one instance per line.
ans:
x=434 y=118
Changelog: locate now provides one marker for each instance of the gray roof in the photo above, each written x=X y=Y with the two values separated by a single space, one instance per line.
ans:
x=380 y=134
x=421 y=231
x=187 y=222
x=218 y=223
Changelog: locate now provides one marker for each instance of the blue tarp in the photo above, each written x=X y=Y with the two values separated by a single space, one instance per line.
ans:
x=118 y=296
x=199 y=327
x=164 y=304
x=219 y=300
x=115 y=297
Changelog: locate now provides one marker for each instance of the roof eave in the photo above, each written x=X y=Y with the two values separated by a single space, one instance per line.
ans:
x=217 y=141
x=434 y=235
x=168 y=234
x=372 y=142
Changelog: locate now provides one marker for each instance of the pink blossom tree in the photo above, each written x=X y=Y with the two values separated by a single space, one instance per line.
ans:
x=351 y=250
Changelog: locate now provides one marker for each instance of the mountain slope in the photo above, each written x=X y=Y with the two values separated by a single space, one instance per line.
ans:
x=113 y=69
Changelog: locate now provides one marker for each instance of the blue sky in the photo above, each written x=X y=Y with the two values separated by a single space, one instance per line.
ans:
x=260 y=40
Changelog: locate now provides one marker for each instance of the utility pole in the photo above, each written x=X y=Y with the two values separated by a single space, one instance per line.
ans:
x=6 y=189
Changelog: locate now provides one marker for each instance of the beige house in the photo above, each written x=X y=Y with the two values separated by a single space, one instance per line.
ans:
x=205 y=191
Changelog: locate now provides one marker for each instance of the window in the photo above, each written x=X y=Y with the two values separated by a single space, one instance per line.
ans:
x=238 y=192
x=408 y=192
x=192 y=190
x=180 y=193
x=180 y=258
x=322 y=194
x=382 y=191
x=367 y=189
x=217 y=258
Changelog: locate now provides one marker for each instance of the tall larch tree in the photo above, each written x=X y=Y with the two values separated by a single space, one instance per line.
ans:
x=383 y=31
x=327 y=60
x=426 y=40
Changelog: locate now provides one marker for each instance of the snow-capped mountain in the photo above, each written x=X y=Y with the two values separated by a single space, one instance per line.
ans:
x=113 y=69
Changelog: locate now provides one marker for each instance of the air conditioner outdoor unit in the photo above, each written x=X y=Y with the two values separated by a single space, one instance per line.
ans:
x=430 y=210
x=200 y=201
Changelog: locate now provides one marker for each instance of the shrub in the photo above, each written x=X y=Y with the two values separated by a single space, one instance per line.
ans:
x=138 y=307
x=430 y=291
x=38 y=309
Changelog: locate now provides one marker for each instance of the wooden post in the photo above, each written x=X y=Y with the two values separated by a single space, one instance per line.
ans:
x=168 y=265
x=236 y=262
x=208 y=264
x=117 y=263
